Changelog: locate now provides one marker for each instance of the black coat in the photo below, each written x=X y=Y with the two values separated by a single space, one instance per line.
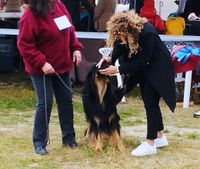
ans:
x=153 y=62
x=73 y=6
x=137 y=6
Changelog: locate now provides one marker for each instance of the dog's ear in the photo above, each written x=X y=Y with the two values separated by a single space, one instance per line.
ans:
x=89 y=83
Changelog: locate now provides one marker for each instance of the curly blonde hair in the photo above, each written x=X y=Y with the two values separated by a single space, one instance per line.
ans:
x=126 y=27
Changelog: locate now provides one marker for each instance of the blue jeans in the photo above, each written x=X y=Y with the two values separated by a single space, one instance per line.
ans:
x=63 y=96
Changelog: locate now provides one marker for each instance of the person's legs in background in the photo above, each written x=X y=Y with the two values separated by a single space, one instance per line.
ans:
x=197 y=114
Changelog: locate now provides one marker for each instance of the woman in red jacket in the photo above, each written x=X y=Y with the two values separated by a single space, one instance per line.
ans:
x=48 y=45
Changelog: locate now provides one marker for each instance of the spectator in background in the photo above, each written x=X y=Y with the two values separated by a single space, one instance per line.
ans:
x=189 y=11
x=191 y=6
x=73 y=6
x=25 y=1
x=181 y=7
x=126 y=2
x=136 y=5
x=2 y=4
x=102 y=13
x=24 y=5
x=186 y=7
x=10 y=6
x=148 y=10
x=193 y=25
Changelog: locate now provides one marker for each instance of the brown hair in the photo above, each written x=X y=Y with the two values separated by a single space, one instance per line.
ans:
x=40 y=7
x=125 y=26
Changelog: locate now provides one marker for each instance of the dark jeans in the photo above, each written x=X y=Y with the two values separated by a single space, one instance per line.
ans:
x=151 y=100
x=63 y=96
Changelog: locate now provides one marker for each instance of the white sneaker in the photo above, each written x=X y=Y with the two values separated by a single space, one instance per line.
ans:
x=197 y=114
x=144 y=149
x=161 y=142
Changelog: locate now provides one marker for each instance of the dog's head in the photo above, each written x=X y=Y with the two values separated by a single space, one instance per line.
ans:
x=102 y=77
x=95 y=75
x=97 y=83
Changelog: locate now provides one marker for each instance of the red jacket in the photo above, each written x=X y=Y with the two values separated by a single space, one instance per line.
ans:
x=41 y=41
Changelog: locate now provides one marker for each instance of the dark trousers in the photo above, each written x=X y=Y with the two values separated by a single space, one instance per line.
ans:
x=136 y=5
x=63 y=96
x=151 y=100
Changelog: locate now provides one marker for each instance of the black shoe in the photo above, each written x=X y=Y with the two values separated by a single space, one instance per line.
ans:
x=40 y=150
x=71 y=144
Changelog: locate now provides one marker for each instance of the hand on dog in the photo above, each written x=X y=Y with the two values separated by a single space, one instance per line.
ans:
x=77 y=57
x=104 y=58
x=111 y=70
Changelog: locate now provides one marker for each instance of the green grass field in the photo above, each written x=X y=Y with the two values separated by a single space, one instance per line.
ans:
x=17 y=104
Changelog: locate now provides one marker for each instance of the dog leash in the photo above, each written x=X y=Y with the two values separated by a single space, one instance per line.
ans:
x=46 y=118
x=72 y=91
x=46 y=111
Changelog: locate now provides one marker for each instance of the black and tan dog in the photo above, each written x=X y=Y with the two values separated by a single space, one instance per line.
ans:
x=99 y=101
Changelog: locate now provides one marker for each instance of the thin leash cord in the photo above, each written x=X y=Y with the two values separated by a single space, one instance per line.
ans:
x=46 y=115
x=45 y=99
x=72 y=91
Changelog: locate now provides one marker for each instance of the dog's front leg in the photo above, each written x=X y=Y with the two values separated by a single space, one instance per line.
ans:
x=87 y=132
x=98 y=141
x=115 y=139
x=91 y=136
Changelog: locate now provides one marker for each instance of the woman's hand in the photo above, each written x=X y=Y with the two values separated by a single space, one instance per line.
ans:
x=104 y=58
x=48 y=69
x=111 y=70
x=77 y=57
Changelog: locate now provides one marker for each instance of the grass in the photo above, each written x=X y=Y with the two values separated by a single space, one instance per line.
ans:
x=17 y=102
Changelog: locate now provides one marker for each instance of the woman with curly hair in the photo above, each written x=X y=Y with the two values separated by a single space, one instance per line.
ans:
x=147 y=62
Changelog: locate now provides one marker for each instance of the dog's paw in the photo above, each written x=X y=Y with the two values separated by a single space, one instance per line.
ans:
x=98 y=147
x=121 y=147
